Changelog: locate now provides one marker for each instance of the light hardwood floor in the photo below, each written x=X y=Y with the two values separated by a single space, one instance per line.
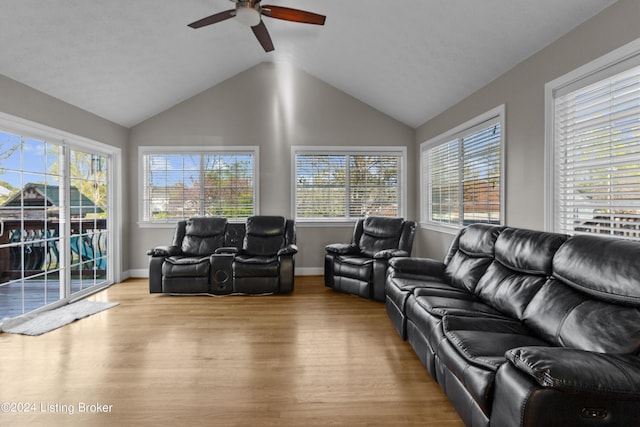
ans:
x=315 y=357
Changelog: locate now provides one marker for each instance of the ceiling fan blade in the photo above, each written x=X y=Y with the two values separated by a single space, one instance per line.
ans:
x=263 y=36
x=227 y=14
x=294 y=15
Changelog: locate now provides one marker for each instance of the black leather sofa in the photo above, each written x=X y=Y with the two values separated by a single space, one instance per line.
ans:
x=526 y=328
x=360 y=267
x=210 y=255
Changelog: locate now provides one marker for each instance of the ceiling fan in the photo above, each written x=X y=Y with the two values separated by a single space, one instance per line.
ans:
x=249 y=12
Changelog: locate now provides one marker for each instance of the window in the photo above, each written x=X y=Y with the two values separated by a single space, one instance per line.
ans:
x=341 y=184
x=462 y=174
x=198 y=182
x=595 y=150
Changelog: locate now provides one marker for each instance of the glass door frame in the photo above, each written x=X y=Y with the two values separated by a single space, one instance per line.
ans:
x=67 y=142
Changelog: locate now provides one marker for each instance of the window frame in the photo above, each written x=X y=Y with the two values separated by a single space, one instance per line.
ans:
x=615 y=62
x=475 y=124
x=144 y=151
x=401 y=151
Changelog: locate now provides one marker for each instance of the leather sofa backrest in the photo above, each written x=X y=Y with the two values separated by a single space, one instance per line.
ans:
x=203 y=235
x=606 y=268
x=522 y=264
x=470 y=254
x=593 y=300
x=379 y=233
x=265 y=235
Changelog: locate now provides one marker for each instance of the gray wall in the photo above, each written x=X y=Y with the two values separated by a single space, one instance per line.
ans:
x=22 y=101
x=274 y=106
x=522 y=91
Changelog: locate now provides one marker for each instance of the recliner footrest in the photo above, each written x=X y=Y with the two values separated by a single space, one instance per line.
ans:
x=186 y=267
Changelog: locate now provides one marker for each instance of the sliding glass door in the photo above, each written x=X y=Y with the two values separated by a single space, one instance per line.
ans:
x=89 y=214
x=54 y=211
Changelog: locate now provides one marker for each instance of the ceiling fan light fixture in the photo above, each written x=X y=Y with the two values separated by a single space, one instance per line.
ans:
x=248 y=16
x=249 y=13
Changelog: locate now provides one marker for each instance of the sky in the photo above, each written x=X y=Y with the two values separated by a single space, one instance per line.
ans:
x=25 y=160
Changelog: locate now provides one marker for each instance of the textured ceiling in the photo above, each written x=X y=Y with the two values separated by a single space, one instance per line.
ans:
x=127 y=60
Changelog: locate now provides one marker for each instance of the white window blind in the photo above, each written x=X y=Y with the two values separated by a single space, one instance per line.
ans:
x=443 y=164
x=339 y=185
x=597 y=157
x=178 y=186
x=462 y=176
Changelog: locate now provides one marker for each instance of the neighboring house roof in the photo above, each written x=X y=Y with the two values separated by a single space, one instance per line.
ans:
x=40 y=195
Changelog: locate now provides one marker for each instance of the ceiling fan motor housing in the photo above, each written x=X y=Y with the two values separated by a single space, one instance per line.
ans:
x=248 y=12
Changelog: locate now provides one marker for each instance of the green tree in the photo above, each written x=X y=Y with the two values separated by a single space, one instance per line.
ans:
x=228 y=187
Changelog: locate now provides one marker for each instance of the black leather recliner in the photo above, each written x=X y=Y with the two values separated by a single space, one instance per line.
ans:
x=185 y=265
x=210 y=255
x=360 y=267
x=265 y=262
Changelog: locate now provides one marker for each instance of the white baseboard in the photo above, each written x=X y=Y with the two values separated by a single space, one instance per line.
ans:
x=137 y=273
x=309 y=271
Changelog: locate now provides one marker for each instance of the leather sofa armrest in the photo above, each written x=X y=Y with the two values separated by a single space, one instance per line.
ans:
x=288 y=250
x=164 y=251
x=343 y=249
x=390 y=253
x=418 y=266
x=229 y=250
x=579 y=371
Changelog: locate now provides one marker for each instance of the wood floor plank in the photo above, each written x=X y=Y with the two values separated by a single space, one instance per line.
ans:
x=311 y=358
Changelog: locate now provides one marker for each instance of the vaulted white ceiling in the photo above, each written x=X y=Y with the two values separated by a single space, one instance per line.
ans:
x=127 y=60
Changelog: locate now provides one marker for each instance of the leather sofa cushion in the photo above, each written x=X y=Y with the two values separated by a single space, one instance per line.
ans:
x=203 y=236
x=255 y=266
x=477 y=241
x=441 y=302
x=508 y=291
x=399 y=289
x=523 y=261
x=408 y=284
x=265 y=235
x=186 y=267
x=354 y=260
x=354 y=267
x=484 y=341
x=568 y=318
x=578 y=263
x=437 y=289
x=464 y=271
x=528 y=251
x=380 y=233
x=470 y=254
x=475 y=348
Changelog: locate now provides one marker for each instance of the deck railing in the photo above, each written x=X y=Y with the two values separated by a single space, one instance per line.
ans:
x=31 y=246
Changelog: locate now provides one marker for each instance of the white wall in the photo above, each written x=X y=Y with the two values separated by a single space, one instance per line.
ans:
x=522 y=91
x=274 y=106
